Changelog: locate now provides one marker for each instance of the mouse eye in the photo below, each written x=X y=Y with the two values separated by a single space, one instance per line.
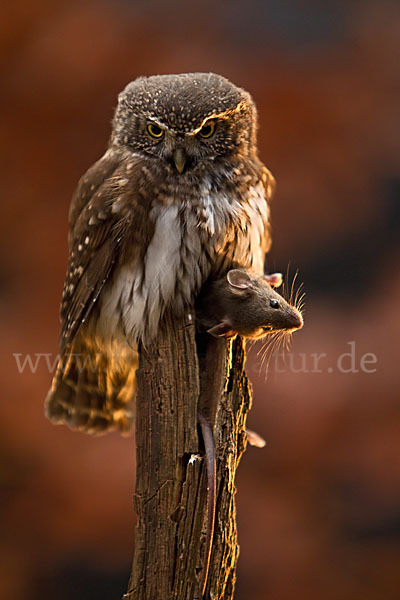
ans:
x=274 y=304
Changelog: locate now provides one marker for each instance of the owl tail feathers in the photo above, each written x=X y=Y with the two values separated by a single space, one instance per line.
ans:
x=91 y=396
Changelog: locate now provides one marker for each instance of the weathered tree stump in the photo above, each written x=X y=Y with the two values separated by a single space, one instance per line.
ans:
x=176 y=378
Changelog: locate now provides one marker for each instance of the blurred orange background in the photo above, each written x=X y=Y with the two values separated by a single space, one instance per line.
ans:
x=319 y=507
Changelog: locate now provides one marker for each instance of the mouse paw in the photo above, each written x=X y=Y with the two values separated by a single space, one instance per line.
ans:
x=222 y=329
x=255 y=439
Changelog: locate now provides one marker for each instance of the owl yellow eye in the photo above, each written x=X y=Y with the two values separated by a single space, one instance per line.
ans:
x=207 y=130
x=155 y=131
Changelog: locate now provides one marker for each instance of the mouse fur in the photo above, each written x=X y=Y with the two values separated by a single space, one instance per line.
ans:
x=245 y=304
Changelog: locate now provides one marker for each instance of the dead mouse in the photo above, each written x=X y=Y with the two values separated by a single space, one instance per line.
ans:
x=245 y=304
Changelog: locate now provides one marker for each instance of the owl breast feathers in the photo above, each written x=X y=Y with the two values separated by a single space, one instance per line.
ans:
x=179 y=196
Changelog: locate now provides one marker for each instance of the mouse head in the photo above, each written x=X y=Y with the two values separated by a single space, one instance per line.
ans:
x=252 y=308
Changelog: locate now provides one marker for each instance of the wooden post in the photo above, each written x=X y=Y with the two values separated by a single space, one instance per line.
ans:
x=176 y=378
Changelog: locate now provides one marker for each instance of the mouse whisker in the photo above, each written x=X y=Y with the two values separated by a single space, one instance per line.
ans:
x=249 y=343
x=266 y=351
x=298 y=294
x=270 y=351
x=282 y=340
x=299 y=297
x=288 y=341
x=292 y=288
x=300 y=300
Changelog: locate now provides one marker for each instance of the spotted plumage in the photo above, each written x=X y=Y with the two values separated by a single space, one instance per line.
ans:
x=179 y=196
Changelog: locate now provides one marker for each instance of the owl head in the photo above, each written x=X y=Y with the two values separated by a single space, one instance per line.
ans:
x=184 y=120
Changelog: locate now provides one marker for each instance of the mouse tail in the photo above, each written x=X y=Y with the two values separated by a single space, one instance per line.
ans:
x=209 y=446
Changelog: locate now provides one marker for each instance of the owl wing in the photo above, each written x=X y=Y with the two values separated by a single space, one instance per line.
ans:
x=99 y=226
x=89 y=392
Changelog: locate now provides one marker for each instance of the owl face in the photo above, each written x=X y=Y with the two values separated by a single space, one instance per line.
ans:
x=185 y=120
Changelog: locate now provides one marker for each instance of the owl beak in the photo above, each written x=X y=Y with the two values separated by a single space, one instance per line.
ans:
x=180 y=159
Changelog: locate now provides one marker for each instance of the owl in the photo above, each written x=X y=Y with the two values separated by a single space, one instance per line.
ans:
x=179 y=196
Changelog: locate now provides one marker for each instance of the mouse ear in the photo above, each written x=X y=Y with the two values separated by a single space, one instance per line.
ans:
x=239 y=280
x=222 y=329
x=274 y=279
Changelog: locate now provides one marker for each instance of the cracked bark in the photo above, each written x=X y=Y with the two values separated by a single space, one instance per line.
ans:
x=176 y=377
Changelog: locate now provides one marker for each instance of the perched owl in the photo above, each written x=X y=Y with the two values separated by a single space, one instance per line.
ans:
x=179 y=196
